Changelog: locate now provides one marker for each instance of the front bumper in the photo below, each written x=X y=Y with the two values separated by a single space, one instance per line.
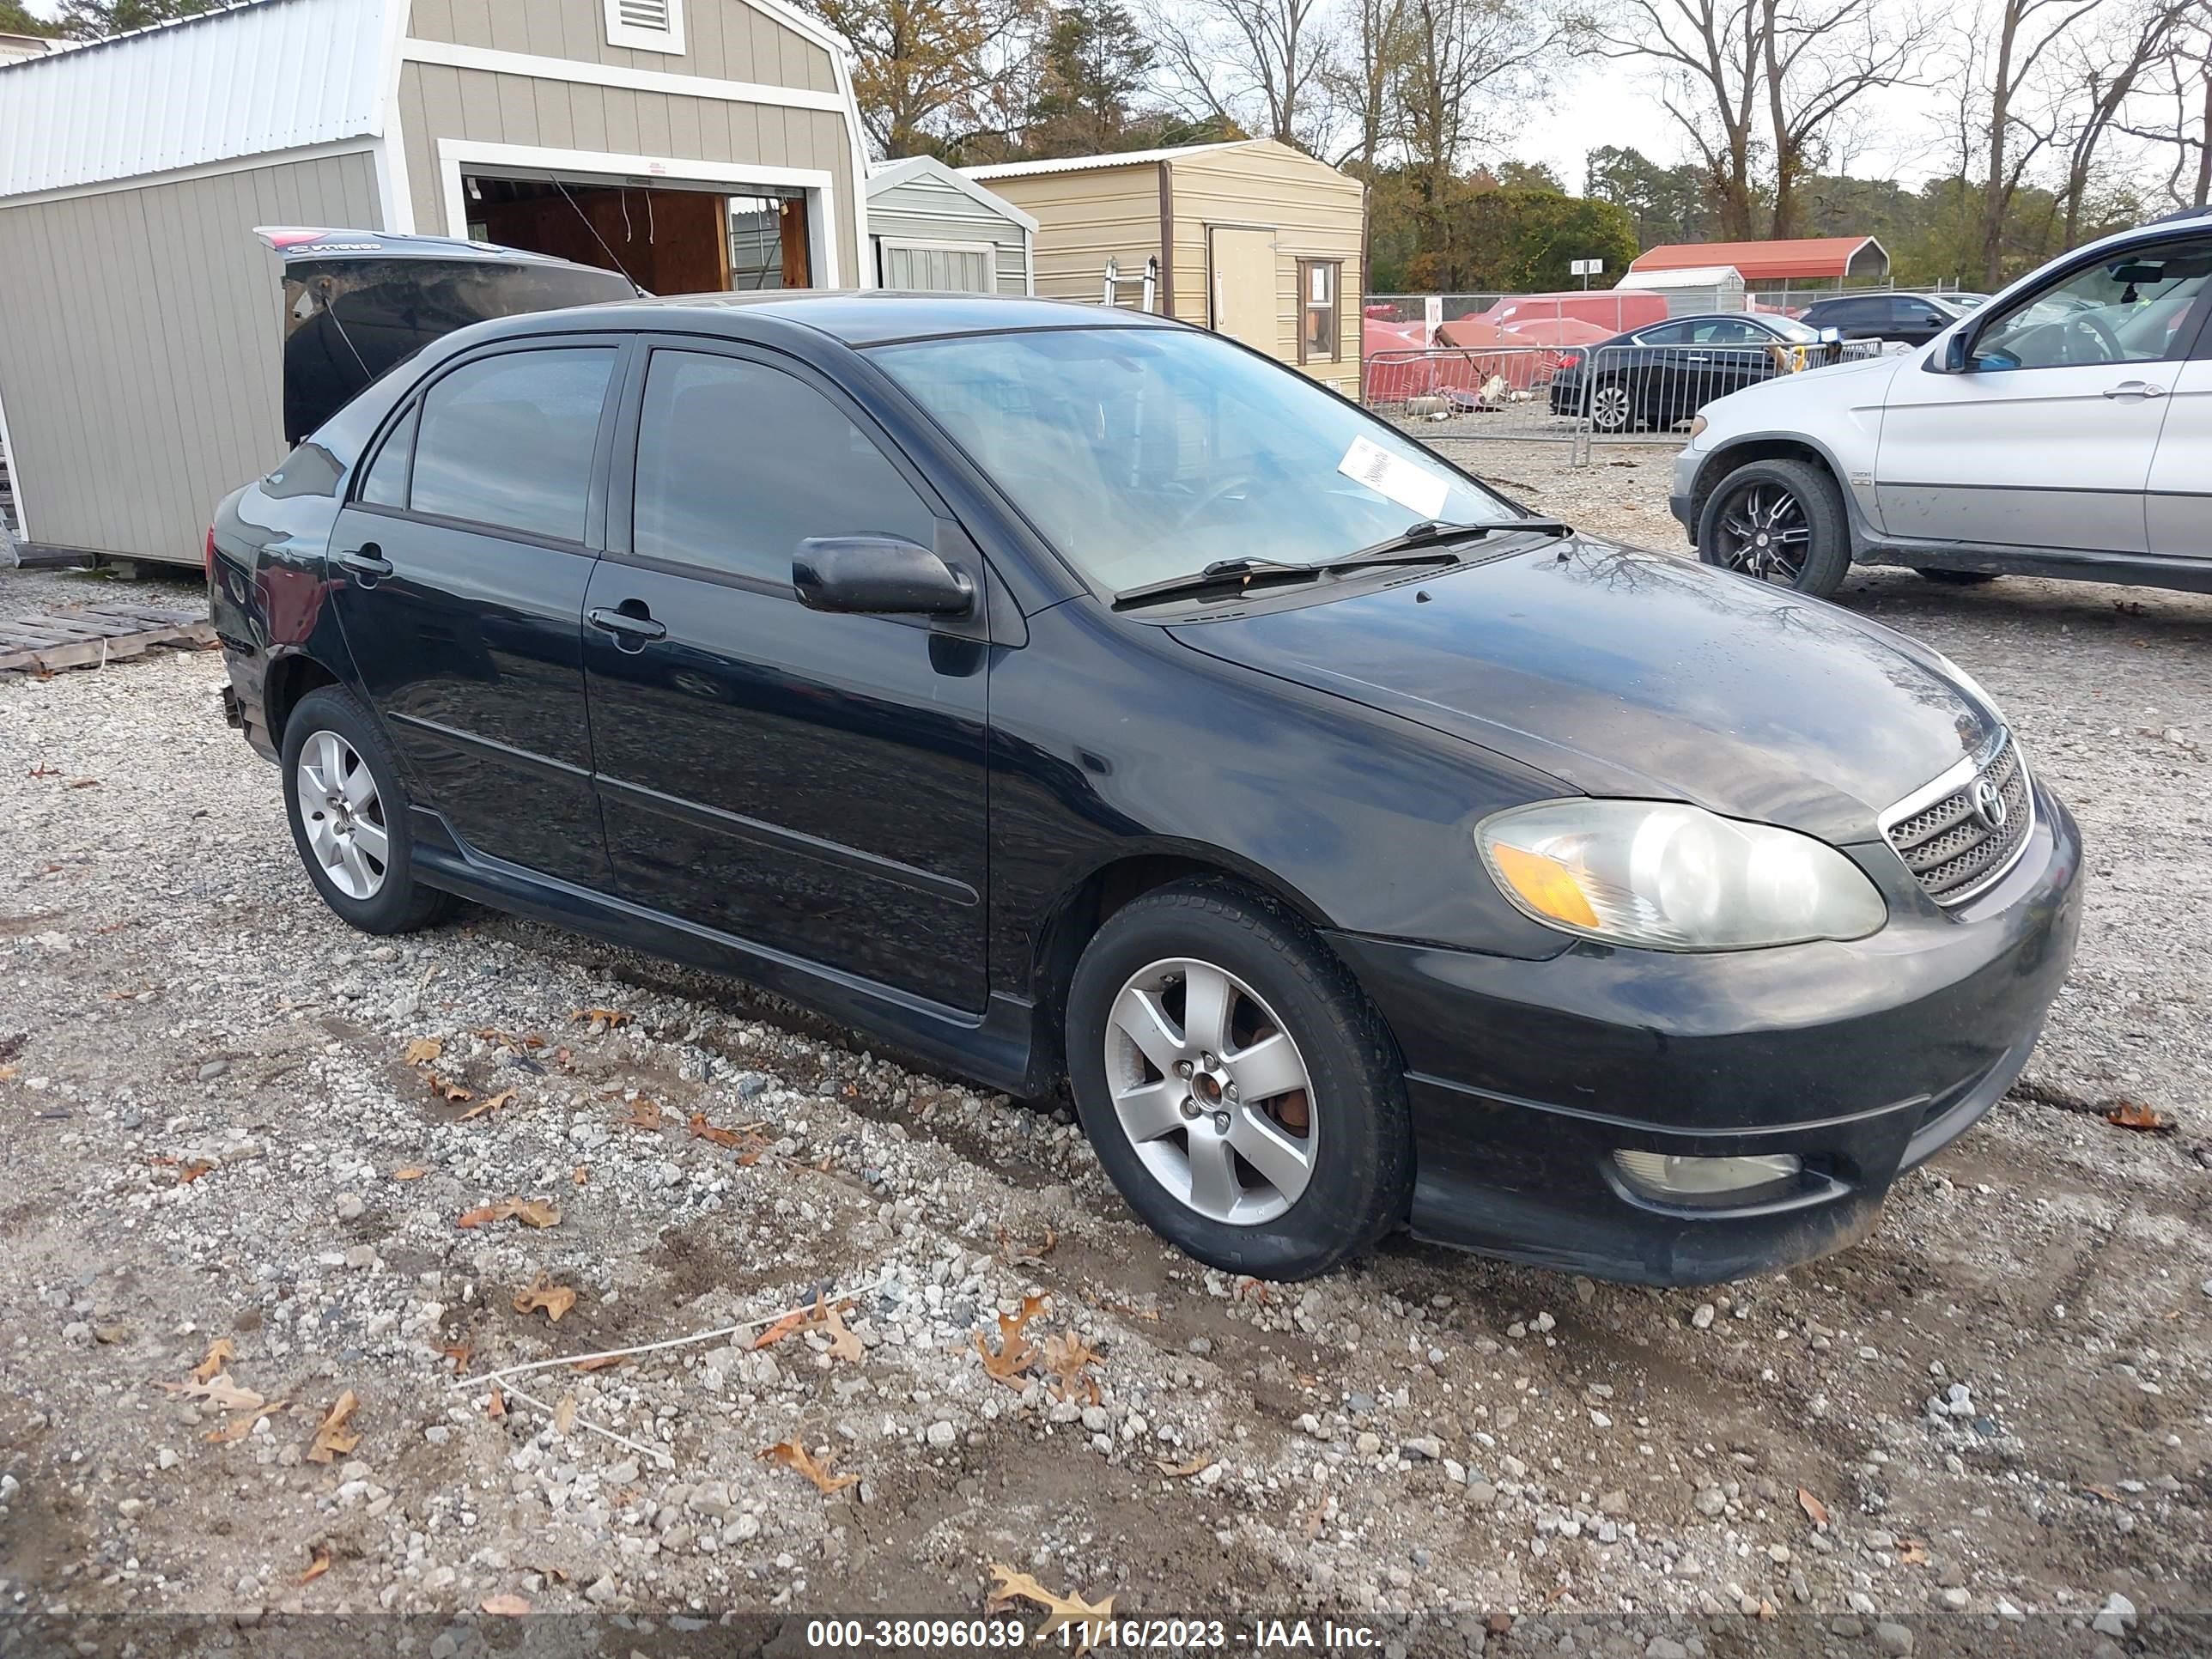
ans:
x=1861 y=1058
x=1681 y=495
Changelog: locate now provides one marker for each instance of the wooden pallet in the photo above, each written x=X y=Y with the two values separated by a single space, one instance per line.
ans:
x=93 y=636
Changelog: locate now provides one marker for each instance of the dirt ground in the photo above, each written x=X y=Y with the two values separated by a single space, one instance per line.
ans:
x=244 y=1140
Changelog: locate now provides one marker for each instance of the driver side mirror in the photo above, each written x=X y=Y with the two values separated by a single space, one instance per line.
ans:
x=1958 y=352
x=880 y=576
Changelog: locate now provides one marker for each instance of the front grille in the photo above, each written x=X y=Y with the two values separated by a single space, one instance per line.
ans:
x=1952 y=847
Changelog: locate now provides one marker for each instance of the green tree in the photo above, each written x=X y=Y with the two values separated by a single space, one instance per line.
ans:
x=97 y=19
x=15 y=19
x=1665 y=204
x=1097 y=62
x=1513 y=239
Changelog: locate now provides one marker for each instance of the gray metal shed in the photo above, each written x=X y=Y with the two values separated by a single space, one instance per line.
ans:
x=141 y=322
x=930 y=228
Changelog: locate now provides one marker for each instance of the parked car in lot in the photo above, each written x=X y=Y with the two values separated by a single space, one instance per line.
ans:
x=1660 y=375
x=2061 y=429
x=1904 y=319
x=1067 y=695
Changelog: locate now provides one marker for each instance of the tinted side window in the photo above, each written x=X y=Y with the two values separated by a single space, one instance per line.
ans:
x=1913 y=313
x=1665 y=334
x=507 y=440
x=738 y=464
x=386 y=482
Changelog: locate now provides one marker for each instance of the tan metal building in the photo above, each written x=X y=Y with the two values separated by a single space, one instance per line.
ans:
x=696 y=144
x=1253 y=238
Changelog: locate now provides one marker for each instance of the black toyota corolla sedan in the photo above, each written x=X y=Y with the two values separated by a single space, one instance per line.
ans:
x=1063 y=695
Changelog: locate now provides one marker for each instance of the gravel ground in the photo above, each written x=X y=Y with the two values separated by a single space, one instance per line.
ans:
x=241 y=1134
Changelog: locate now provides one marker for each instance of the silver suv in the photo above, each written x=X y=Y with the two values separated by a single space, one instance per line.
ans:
x=2064 y=429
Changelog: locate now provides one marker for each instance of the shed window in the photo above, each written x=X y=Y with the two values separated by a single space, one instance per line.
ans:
x=1320 y=339
x=646 y=24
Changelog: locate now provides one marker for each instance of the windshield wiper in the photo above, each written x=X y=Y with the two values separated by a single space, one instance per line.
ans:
x=1429 y=532
x=1222 y=573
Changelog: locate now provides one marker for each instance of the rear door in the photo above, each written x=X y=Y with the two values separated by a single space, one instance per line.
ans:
x=460 y=568
x=814 y=784
x=2179 y=509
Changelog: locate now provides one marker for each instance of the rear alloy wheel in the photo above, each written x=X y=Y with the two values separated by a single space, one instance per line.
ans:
x=348 y=814
x=1239 y=1088
x=1780 y=522
x=1611 y=407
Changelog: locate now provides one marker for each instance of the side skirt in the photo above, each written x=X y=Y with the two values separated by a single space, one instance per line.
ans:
x=2062 y=564
x=994 y=1049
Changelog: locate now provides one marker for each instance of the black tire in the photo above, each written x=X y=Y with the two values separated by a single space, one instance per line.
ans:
x=400 y=904
x=1361 y=1153
x=1817 y=504
x=1956 y=578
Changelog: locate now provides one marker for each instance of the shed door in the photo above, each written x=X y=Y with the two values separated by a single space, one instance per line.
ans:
x=1245 y=306
x=938 y=269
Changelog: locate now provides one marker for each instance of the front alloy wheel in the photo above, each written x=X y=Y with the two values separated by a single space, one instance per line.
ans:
x=1212 y=1091
x=1765 y=533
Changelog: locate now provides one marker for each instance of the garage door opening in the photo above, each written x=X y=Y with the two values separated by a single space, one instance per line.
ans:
x=668 y=238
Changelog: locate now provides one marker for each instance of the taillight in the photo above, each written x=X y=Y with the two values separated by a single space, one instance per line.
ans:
x=210 y=555
x=1567 y=359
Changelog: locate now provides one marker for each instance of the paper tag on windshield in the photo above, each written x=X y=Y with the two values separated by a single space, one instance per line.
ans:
x=1414 y=487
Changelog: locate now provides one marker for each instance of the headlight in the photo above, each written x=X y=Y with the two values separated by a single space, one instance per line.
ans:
x=1673 y=878
x=1696 y=426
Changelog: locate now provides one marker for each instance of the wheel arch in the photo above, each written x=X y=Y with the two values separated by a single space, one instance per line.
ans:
x=1779 y=447
x=289 y=677
x=1111 y=882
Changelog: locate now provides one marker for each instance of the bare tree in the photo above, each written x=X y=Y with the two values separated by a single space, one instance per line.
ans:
x=1256 y=63
x=1360 y=76
x=2186 y=80
x=1708 y=53
x=1816 y=61
x=2008 y=48
x=1459 y=61
x=2104 y=68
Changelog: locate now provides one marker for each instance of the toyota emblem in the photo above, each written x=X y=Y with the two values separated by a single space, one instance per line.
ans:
x=1990 y=804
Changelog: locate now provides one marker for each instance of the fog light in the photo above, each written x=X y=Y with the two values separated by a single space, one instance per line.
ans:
x=1703 y=1180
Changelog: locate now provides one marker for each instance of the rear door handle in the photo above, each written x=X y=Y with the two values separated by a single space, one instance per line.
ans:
x=2129 y=390
x=367 y=561
x=629 y=628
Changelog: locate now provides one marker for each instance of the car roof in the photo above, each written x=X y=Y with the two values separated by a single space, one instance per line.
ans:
x=857 y=316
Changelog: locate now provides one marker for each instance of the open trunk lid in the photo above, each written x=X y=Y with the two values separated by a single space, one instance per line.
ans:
x=357 y=302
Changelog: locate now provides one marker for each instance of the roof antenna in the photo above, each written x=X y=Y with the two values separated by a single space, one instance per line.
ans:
x=594 y=229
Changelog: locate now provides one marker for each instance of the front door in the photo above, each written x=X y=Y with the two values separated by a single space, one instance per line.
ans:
x=460 y=568
x=1246 y=305
x=811 y=783
x=2046 y=439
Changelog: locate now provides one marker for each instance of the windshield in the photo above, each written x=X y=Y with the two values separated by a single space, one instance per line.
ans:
x=1146 y=453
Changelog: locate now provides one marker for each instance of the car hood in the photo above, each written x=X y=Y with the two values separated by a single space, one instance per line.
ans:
x=1633 y=674
x=1862 y=371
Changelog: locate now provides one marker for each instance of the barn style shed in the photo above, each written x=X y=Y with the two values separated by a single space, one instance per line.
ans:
x=931 y=229
x=692 y=144
x=1253 y=238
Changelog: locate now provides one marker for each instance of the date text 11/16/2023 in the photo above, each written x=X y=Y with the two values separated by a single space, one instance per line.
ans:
x=1095 y=1635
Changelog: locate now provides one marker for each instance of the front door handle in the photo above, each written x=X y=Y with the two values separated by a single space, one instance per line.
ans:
x=632 y=629
x=2134 y=390
x=366 y=562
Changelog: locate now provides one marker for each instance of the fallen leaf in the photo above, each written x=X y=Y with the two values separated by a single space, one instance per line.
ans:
x=1066 y=1356
x=486 y=1108
x=507 y=1604
x=643 y=1115
x=608 y=1018
x=192 y=1171
x=8 y=1073
x=544 y=1294
x=564 y=1414
x=459 y=1352
x=583 y=1173
x=1911 y=1552
x=218 y=1391
x=318 y=1563
x=843 y=1345
x=446 y=1091
x=422 y=1051
x=1198 y=1465
x=600 y=1363
x=332 y=1437
x=233 y=1431
x=792 y=1456
x=2105 y=1492
x=1014 y=1354
x=1815 y=1510
x=530 y=1211
x=2134 y=1115
x=495 y=1407
x=1012 y=1252
x=1063 y=1610
x=220 y=1353
x=797 y=1320
x=734 y=1140
x=412 y=1172
x=82 y=783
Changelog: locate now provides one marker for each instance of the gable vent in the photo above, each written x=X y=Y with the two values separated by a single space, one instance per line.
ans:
x=646 y=24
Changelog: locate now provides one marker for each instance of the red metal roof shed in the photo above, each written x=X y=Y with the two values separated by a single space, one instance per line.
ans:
x=1802 y=257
